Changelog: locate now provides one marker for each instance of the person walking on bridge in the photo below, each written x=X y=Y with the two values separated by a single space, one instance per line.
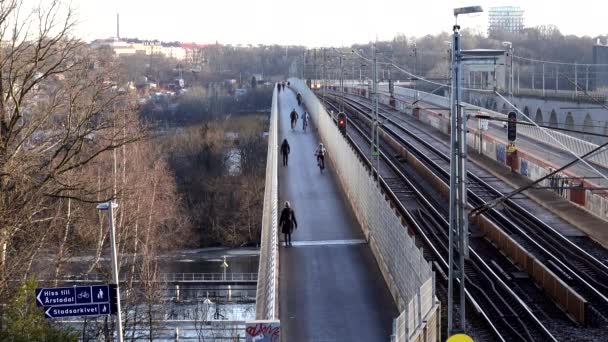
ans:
x=294 y=118
x=305 y=118
x=285 y=151
x=288 y=222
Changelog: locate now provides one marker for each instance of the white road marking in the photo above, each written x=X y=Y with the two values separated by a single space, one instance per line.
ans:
x=328 y=242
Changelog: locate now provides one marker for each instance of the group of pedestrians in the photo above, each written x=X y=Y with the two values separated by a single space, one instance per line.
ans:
x=287 y=220
x=281 y=86
x=294 y=119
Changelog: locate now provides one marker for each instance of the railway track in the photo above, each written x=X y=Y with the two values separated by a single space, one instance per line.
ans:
x=504 y=314
x=579 y=269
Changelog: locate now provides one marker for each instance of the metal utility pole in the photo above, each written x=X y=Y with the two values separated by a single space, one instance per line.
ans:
x=377 y=114
x=110 y=206
x=543 y=79
x=341 y=86
x=324 y=85
x=510 y=46
x=375 y=146
x=587 y=79
x=416 y=69
x=316 y=68
x=360 y=74
x=556 y=78
x=533 y=72
x=511 y=83
x=518 y=80
x=575 y=80
x=458 y=230
x=303 y=64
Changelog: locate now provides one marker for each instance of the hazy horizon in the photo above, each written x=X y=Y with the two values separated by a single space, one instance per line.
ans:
x=245 y=23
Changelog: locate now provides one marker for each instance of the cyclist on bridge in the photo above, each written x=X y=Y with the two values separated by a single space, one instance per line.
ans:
x=305 y=118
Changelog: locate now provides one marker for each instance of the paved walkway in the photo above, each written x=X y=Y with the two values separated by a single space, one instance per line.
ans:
x=331 y=288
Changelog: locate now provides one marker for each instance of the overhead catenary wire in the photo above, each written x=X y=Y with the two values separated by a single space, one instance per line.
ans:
x=596 y=101
x=544 y=130
x=432 y=82
x=494 y=118
x=493 y=203
x=554 y=62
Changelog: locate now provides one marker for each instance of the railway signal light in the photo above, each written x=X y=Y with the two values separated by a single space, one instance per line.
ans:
x=342 y=122
x=512 y=126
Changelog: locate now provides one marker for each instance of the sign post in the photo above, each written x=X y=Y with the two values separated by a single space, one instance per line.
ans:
x=110 y=206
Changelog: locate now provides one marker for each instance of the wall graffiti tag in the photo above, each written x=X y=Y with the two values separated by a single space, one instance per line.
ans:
x=263 y=331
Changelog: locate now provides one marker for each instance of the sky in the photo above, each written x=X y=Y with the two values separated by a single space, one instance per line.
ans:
x=314 y=23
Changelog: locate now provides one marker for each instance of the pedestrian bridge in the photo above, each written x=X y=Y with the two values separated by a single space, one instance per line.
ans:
x=353 y=272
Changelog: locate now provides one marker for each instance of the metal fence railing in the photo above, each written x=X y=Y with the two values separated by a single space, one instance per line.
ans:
x=267 y=307
x=409 y=325
x=167 y=277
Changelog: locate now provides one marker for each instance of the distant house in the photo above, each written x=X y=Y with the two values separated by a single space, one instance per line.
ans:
x=146 y=47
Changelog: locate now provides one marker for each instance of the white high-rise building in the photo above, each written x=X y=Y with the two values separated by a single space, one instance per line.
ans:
x=505 y=19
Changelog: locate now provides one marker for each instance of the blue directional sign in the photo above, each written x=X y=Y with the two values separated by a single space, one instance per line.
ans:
x=100 y=293
x=55 y=296
x=77 y=310
x=90 y=300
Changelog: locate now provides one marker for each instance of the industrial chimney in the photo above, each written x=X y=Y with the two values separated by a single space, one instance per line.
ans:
x=118 y=26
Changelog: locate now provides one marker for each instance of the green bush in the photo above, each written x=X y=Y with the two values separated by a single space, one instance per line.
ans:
x=24 y=322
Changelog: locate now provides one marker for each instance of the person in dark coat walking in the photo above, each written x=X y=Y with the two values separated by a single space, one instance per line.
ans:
x=288 y=222
x=285 y=151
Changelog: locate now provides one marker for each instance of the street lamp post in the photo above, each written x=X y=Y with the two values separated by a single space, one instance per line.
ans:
x=110 y=206
x=458 y=230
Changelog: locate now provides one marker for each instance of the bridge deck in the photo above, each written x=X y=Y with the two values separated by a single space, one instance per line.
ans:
x=331 y=288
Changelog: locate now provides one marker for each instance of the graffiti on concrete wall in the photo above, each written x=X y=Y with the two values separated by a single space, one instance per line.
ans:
x=263 y=331
x=501 y=153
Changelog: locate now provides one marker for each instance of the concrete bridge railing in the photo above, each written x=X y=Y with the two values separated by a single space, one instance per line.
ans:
x=402 y=264
x=267 y=299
